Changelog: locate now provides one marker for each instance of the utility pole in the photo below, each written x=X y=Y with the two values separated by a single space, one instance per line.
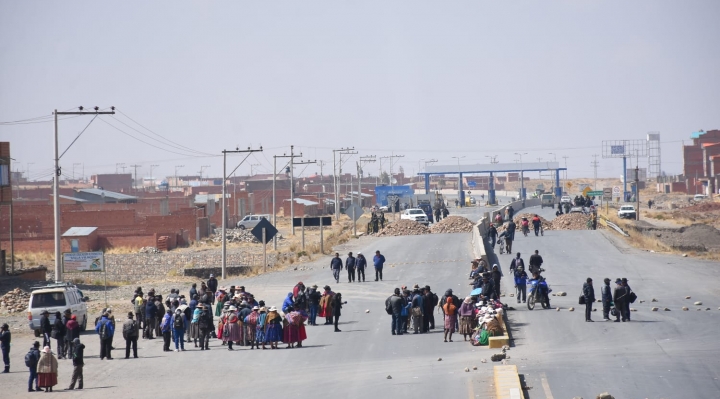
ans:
x=118 y=166
x=390 y=177
x=336 y=179
x=292 y=185
x=365 y=159
x=75 y=164
x=56 y=183
x=321 y=163
x=202 y=168
x=251 y=168
x=176 y=176
x=224 y=202
x=637 y=185
x=275 y=157
x=151 y=175
x=135 y=179
x=595 y=166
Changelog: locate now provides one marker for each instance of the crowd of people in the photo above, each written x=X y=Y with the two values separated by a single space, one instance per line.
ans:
x=616 y=302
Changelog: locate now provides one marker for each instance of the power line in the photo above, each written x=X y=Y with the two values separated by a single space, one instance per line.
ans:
x=151 y=145
x=177 y=146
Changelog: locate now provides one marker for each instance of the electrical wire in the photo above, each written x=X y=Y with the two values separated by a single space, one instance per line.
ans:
x=176 y=145
x=77 y=137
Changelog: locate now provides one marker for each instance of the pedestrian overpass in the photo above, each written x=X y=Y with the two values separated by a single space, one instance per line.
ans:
x=493 y=169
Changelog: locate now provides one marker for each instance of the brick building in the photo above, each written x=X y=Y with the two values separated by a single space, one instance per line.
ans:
x=698 y=162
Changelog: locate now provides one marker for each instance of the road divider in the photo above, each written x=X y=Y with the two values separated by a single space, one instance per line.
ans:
x=507 y=382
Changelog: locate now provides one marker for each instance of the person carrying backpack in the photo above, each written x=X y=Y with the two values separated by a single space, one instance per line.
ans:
x=130 y=334
x=105 y=330
x=179 y=325
x=31 y=361
x=78 y=363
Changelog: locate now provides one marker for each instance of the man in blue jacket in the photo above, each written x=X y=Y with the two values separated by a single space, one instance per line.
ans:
x=360 y=265
x=350 y=267
x=520 y=283
x=105 y=330
x=336 y=265
x=150 y=318
x=378 y=262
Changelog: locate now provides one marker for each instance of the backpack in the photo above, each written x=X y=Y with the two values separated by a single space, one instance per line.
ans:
x=178 y=322
x=103 y=331
x=30 y=359
x=388 y=307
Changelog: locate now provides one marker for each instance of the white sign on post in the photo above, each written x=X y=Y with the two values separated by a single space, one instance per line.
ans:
x=76 y=262
x=616 y=192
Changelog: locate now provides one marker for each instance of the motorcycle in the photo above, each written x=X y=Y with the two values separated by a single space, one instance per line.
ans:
x=538 y=292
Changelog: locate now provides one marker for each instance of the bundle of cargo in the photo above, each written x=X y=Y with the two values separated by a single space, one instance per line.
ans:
x=403 y=227
x=452 y=224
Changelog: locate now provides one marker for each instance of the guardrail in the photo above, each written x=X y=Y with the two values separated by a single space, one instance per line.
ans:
x=603 y=221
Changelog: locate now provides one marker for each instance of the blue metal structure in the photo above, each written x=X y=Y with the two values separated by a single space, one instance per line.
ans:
x=492 y=169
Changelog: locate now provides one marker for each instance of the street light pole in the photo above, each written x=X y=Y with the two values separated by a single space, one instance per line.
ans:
x=460 y=197
x=522 y=177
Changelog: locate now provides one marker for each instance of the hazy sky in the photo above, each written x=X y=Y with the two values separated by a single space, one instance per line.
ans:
x=423 y=79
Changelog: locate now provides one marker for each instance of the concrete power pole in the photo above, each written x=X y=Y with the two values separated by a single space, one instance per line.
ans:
x=365 y=159
x=292 y=185
x=56 y=183
x=135 y=178
x=595 y=166
x=336 y=180
x=224 y=202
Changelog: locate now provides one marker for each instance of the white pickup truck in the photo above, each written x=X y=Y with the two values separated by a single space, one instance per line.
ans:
x=627 y=212
x=415 y=214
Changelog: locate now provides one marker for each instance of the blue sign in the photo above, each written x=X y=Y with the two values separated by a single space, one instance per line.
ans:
x=471 y=184
x=617 y=150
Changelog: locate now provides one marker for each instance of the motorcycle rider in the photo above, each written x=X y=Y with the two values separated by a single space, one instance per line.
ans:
x=536 y=261
x=542 y=289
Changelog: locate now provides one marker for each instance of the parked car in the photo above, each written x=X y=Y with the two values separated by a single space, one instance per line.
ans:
x=565 y=199
x=250 y=221
x=547 y=200
x=700 y=197
x=415 y=214
x=56 y=297
x=627 y=212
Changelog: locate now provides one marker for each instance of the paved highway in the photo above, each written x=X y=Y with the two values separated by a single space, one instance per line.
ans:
x=661 y=354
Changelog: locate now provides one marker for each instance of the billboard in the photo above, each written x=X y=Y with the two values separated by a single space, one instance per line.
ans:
x=76 y=262
x=624 y=148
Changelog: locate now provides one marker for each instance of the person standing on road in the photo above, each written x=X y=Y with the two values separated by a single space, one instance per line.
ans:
x=165 y=327
x=47 y=369
x=45 y=328
x=417 y=310
x=496 y=277
x=511 y=212
x=105 y=331
x=58 y=332
x=72 y=331
x=405 y=313
x=193 y=291
x=336 y=266
x=5 y=339
x=288 y=302
x=350 y=267
x=620 y=297
x=212 y=285
x=326 y=305
x=429 y=303
x=67 y=341
x=314 y=303
x=607 y=300
x=232 y=329
x=626 y=304
x=77 y=355
x=467 y=318
x=394 y=305
x=31 y=361
x=520 y=283
x=150 y=315
x=337 y=306
x=536 y=261
x=139 y=307
x=589 y=294
x=179 y=325
x=251 y=321
x=360 y=265
x=130 y=334
x=516 y=262
x=509 y=235
x=378 y=262
x=450 y=311
x=492 y=234
x=536 y=224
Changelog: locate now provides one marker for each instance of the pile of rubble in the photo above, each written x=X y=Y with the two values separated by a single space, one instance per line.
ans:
x=148 y=250
x=403 y=227
x=233 y=235
x=14 y=301
x=452 y=224
x=570 y=221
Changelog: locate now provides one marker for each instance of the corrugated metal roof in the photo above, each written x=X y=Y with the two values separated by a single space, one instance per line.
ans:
x=79 y=231
x=106 y=193
x=71 y=198
x=361 y=194
x=305 y=202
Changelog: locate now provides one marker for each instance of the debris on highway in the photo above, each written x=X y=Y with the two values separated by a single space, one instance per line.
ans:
x=453 y=224
x=571 y=221
x=14 y=301
x=698 y=303
x=403 y=227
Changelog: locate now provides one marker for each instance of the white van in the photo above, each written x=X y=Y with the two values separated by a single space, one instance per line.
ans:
x=56 y=297
x=250 y=221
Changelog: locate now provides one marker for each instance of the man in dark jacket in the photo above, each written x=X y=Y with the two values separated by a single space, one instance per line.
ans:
x=607 y=300
x=350 y=267
x=130 y=334
x=620 y=298
x=434 y=302
x=336 y=266
x=150 y=314
x=488 y=288
x=34 y=358
x=516 y=262
x=589 y=294
x=492 y=234
x=78 y=363
x=5 y=339
x=396 y=303
x=105 y=331
x=379 y=263
x=193 y=291
x=314 y=302
x=58 y=332
x=45 y=328
x=360 y=265
x=212 y=285
x=509 y=235
x=496 y=275
x=536 y=261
